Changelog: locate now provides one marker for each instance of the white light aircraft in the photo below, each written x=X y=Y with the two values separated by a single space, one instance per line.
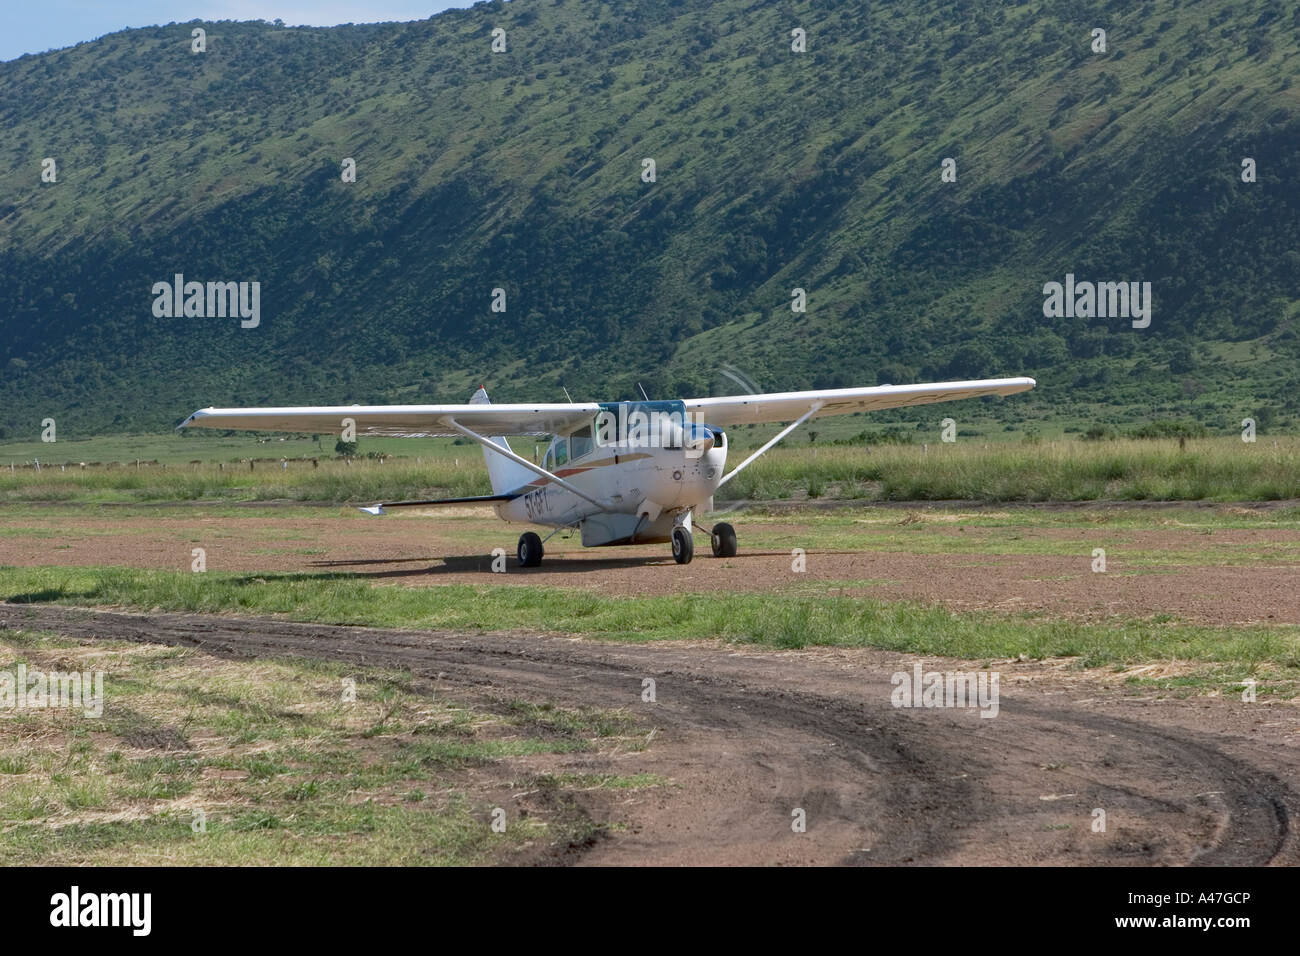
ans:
x=618 y=472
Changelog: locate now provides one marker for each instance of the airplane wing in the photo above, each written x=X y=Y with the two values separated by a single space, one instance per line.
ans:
x=430 y=421
x=404 y=421
x=788 y=406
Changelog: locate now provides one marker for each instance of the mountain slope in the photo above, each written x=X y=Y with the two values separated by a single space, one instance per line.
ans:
x=775 y=170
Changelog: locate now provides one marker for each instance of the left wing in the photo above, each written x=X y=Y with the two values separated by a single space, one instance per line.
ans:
x=788 y=406
x=404 y=421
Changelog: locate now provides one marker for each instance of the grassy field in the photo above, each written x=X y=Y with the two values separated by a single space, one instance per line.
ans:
x=179 y=448
x=1206 y=469
x=1230 y=654
x=201 y=761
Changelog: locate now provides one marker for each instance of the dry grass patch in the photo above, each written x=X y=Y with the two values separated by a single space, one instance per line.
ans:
x=201 y=760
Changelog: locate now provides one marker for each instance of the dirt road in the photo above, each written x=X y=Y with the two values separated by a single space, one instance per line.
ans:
x=749 y=738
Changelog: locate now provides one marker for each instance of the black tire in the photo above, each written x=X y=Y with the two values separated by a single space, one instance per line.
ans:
x=683 y=545
x=529 y=551
x=723 y=540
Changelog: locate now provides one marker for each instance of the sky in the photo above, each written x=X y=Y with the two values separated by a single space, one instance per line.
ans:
x=27 y=27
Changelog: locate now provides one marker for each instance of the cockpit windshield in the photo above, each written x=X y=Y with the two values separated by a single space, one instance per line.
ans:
x=644 y=424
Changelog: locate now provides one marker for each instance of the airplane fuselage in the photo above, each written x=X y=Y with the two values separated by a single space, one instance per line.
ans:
x=648 y=490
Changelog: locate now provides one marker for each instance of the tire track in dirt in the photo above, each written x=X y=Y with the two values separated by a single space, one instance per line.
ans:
x=747 y=736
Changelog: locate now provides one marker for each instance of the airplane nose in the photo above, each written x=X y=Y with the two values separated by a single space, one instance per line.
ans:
x=702 y=475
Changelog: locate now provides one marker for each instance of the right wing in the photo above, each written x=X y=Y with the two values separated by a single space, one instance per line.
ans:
x=788 y=406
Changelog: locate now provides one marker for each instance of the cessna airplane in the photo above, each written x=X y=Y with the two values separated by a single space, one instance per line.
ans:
x=619 y=472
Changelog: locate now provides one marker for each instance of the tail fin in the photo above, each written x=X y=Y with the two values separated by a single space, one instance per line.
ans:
x=504 y=474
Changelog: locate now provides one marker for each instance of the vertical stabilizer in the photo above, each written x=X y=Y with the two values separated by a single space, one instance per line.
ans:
x=505 y=475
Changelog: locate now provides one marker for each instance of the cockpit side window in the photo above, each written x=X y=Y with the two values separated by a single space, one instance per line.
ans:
x=581 y=443
x=561 y=452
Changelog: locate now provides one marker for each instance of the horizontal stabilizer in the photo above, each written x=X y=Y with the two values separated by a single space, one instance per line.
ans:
x=427 y=502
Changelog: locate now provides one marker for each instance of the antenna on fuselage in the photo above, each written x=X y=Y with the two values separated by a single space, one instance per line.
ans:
x=566 y=394
x=643 y=394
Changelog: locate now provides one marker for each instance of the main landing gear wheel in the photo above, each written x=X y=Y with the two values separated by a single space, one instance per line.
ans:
x=723 y=540
x=529 y=551
x=683 y=545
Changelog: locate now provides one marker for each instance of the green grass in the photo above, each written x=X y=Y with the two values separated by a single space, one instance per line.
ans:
x=774 y=620
x=1022 y=531
x=1208 y=469
x=1216 y=469
x=183 y=447
x=362 y=480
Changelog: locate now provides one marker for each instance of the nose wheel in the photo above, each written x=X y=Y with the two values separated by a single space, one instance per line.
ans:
x=722 y=541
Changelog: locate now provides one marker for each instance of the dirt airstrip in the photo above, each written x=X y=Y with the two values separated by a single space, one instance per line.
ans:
x=748 y=738
x=1233 y=576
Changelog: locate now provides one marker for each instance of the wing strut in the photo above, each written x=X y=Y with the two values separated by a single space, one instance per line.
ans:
x=538 y=469
x=816 y=407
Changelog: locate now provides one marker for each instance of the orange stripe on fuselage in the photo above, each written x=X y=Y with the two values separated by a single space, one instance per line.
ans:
x=541 y=480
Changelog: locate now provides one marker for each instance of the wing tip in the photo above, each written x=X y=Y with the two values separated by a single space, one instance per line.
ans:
x=195 y=416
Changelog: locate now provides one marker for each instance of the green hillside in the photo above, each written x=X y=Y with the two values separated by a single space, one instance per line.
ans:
x=775 y=170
